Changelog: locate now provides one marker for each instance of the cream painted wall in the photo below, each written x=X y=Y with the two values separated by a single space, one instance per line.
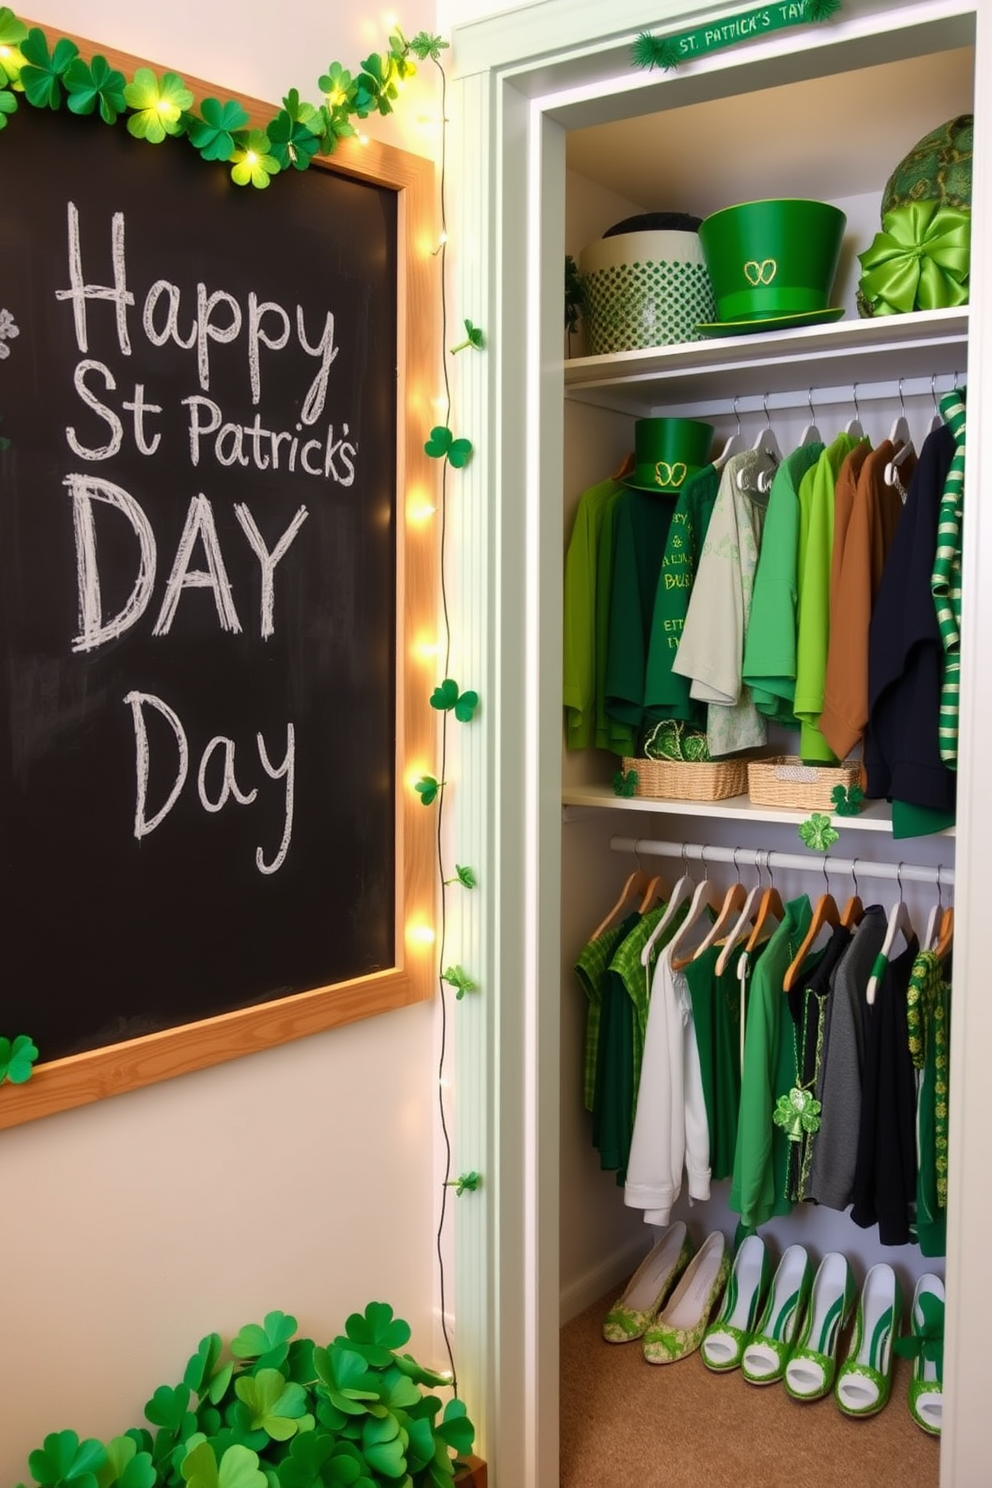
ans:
x=303 y=1178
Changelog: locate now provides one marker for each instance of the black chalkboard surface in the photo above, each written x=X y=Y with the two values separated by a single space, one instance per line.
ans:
x=197 y=584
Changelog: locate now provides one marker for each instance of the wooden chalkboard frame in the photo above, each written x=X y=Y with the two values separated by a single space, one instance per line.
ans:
x=80 y=1079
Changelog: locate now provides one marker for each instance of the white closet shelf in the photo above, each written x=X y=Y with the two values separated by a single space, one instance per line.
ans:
x=876 y=816
x=923 y=345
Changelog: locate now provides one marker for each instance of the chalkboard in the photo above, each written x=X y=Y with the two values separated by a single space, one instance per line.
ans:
x=199 y=565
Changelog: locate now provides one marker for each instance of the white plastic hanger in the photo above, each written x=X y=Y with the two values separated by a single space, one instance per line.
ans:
x=680 y=893
x=901 y=437
x=811 y=434
x=765 y=443
x=899 y=923
x=735 y=443
x=853 y=427
x=706 y=895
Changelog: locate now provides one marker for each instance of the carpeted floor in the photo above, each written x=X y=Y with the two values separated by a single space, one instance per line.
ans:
x=629 y=1424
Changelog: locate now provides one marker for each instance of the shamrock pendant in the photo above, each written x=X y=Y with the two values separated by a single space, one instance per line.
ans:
x=796 y=1113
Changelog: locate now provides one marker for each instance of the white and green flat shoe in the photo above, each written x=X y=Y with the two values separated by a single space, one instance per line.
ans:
x=650 y=1284
x=925 y=1346
x=864 y=1381
x=809 y=1374
x=725 y=1338
x=678 y=1329
x=767 y=1351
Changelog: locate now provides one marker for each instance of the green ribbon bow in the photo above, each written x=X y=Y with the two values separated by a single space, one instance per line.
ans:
x=927 y=1340
x=919 y=261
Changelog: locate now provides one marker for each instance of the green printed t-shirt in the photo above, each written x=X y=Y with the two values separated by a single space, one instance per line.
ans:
x=666 y=694
x=642 y=523
x=770 y=645
x=611 y=733
x=816 y=547
x=579 y=641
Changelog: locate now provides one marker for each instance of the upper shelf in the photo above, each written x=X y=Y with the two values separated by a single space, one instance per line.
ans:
x=924 y=345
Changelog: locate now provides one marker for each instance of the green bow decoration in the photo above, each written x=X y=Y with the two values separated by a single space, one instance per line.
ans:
x=929 y=1339
x=919 y=261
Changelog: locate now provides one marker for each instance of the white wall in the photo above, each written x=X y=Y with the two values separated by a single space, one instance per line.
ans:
x=302 y=1178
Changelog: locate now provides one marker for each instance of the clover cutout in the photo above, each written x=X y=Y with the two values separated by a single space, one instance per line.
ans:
x=625 y=782
x=465 y=1183
x=817 y=833
x=797 y=1112
x=448 y=697
x=473 y=337
x=17 y=1059
x=442 y=444
x=464 y=876
x=847 y=801
x=460 y=980
x=427 y=788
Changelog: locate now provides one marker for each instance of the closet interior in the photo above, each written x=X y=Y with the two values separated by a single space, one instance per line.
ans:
x=828 y=122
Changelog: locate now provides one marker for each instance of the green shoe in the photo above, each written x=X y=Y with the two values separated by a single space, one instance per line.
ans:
x=809 y=1374
x=725 y=1338
x=864 y=1381
x=650 y=1284
x=678 y=1329
x=925 y=1346
x=767 y=1351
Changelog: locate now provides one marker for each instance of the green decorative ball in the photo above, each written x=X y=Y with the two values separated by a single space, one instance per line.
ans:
x=938 y=168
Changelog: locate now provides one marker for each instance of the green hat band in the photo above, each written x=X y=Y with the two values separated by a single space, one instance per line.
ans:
x=773 y=300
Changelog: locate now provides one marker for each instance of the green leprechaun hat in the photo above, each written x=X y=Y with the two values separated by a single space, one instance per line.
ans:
x=772 y=263
x=667 y=451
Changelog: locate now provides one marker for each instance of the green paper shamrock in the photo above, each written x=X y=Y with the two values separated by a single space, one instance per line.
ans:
x=337 y=84
x=847 y=802
x=473 y=337
x=459 y=979
x=238 y=1468
x=424 y=45
x=127 y=1467
x=158 y=105
x=442 y=443
x=17 y=1059
x=448 y=696
x=253 y=163
x=278 y=1407
x=95 y=84
x=465 y=876
x=43 y=72
x=465 y=1183
x=12 y=33
x=427 y=788
x=817 y=833
x=294 y=134
x=625 y=782
x=213 y=133
x=797 y=1112
x=63 y=1461
x=8 y=105
x=929 y=1339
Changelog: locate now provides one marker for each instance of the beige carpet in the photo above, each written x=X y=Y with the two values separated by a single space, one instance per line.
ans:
x=628 y=1423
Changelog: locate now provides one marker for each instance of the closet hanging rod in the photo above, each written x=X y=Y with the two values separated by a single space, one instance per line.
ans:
x=927 y=388
x=743 y=857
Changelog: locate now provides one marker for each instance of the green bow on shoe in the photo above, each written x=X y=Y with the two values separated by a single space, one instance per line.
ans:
x=919 y=261
x=928 y=1342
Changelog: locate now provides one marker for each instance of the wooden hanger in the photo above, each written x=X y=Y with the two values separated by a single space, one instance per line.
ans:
x=734 y=941
x=771 y=908
x=825 y=913
x=657 y=889
x=627 y=464
x=899 y=923
x=946 y=939
x=636 y=886
x=733 y=903
x=854 y=911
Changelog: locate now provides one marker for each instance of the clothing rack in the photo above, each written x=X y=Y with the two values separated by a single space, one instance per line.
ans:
x=744 y=857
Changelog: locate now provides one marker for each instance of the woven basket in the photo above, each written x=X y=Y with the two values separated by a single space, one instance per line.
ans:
x=684 y=780
x=784 y=780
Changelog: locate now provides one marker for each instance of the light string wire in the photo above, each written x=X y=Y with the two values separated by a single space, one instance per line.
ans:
x=446 y=626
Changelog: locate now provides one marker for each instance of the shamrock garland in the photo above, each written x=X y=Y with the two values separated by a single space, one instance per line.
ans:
x=17 y=1059
x=49 y=75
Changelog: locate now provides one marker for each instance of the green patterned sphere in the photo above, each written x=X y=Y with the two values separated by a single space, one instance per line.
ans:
x=938 y=168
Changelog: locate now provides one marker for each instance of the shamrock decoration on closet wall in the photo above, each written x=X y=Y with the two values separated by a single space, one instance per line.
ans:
x=847 y=801
x=797 y=1112
x=817 y=832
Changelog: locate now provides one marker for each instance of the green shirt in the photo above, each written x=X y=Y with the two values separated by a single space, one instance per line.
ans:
x=580 y=646
x=666 y=694
x=770 y=645
x=716 y=1018
x=642 y=521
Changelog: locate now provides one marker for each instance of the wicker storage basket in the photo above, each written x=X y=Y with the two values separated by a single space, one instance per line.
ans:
x=689 y=780
x=784 y=780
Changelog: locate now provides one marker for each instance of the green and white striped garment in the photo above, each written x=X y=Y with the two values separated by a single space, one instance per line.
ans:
x=945 y=582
